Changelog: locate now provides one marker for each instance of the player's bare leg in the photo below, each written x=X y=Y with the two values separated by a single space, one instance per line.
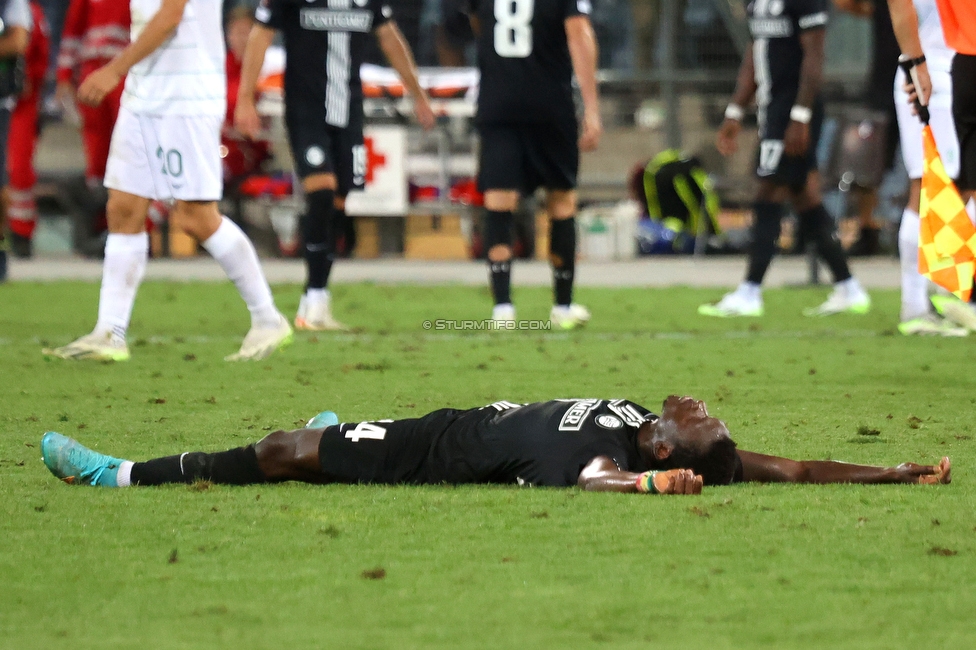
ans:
x=500 y=206
x=235 y=253
x=126 y=254
x=321 y=213
x=561 y=207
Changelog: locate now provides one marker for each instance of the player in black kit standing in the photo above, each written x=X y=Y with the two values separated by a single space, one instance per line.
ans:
x=528 y=51
x=783 y=70
x=324 y=47
x=596 y=444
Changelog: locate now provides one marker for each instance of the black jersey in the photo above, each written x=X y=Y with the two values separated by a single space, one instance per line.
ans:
x=775 y=26
x=526 y=70
x=544 y=443
x=324 y=45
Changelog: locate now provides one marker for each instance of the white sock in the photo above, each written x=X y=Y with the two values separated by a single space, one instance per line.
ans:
x=124 y=476
x=850 y=286
x=236 y=255
x=750 y=290
x=914 y=285
x=317 y=295
x=122 y=271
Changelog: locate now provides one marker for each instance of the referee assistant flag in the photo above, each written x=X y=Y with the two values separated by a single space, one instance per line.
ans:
x=946 y=238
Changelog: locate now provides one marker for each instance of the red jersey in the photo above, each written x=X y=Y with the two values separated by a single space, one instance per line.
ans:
x=94 y=32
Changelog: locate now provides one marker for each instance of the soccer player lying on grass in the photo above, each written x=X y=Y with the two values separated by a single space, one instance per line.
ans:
x=608 y=445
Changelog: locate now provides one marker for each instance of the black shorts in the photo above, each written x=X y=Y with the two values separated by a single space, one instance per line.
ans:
x=791 y=171
x=382 y=451
x=525 y=156
x=964 y=115
x=320 y=148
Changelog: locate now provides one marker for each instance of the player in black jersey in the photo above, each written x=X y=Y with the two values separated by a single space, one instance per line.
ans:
x=324 y=46
x=609 y=445
x=528 y=51
x=783 y=71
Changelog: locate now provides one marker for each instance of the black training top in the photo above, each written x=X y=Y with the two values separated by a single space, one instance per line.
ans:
x=776 y=26
x=526 y=70
x=324 y=48
x=544 y=443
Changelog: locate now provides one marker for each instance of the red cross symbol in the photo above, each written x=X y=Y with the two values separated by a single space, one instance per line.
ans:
x=374 y=159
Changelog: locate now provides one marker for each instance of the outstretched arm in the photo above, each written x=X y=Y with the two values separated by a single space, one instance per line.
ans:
x=773 y=469
x=398 y=53
x=602 y=475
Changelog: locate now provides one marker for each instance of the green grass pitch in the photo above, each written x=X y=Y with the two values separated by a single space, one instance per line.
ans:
x=302 y=566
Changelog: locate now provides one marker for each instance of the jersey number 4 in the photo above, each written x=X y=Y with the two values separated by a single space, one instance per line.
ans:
x=513 y=28
x=368 y=431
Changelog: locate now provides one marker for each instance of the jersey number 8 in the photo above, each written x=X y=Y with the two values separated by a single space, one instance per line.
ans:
x=513 y=29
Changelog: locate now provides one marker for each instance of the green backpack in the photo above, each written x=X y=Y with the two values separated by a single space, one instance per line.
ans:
x=680 y=196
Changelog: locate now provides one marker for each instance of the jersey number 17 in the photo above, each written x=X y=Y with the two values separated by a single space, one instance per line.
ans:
x=513 y=28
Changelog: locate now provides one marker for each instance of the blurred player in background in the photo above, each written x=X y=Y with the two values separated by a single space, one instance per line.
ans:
x=15 y=29
x=324 y=43
x=528 y=52
x=959 y=28
x=916 y=313
x=884 y=62
x=783 y=70
x=95 y=31
x=166 y=145
x=596 y=444
x=24 y=131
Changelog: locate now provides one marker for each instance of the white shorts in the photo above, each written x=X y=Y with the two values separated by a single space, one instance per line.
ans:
x=166 y=157
x=940 y=118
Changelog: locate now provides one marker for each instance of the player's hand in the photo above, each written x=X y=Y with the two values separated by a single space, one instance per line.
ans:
x=924 y=90
x=98 y=84
x=246 y=119
x=727 y=138
x=796 y=140
x=678 y=481
x=589 y=139
x=926 y=474
x=424 y=113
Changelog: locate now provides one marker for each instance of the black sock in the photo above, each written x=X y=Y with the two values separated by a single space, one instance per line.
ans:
x=765 y=232
x=348 y=230
x=562 y=254
x=319 y=237
x=499 y=232
x=233 y=467
x=820 y=224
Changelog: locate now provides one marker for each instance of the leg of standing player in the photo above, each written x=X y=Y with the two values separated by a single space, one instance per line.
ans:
x=561 y=207
x=916 y=317
x=818 y=226
x=4 y=128
x=964 y=115
x=22 y=209
x=163 y=157
x=319 y=234
x=500 y=206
